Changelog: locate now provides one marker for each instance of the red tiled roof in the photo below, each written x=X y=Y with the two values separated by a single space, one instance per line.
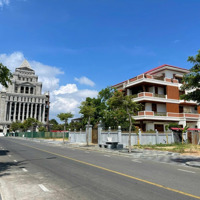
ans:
x=159 y=67
x=154 y=69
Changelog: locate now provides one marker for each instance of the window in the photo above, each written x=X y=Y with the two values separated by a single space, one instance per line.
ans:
x=154 y=107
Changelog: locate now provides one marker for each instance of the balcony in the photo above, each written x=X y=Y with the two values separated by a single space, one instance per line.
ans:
x=149 y=94
x=149 y=78
x=166 y=115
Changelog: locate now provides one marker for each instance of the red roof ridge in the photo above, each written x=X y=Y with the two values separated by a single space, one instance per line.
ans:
x=161 y=66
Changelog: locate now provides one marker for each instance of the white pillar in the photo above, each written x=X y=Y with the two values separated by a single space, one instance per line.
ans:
x=31 y=110
x=6 y=107
x=19 y=111
x=10 y=111
x=43 y=115
x=14 y=115
x=27 y=111
x=40 y=112
x=119 y=135
x=23 y=111
x=35 y=111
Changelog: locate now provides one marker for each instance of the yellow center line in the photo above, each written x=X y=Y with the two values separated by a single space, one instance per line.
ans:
x=116 y=172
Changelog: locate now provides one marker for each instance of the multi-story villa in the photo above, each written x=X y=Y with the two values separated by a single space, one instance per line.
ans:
x=159 y=91
x=23 y=98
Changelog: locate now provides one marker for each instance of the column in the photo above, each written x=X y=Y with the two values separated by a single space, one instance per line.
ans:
x=31 y=110
x=27 y=111
x=99 y=134
x=29 y=90
x=14 y=115
x=119 y=135
x=6 y=107
x=40 y=112
x=10 y=111
x=35 y=111
x=23 y=111
x=43 y=116
x=19 y=111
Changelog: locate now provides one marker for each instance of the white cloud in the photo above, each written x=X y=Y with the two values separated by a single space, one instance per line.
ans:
x=85 y=81
x=68 y=98
x=47 y=74
x=63 y=98
x=4 y=2
x=67 y=89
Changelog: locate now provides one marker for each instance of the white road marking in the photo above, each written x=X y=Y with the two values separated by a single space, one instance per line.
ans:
x=186 y=171
x=9 y=155
x=25 y=170
x=107 y=155
x=87 y=152
x=43 y=188
x=137 y=161
x=15 y=161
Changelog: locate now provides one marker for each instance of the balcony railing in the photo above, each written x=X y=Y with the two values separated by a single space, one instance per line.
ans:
x=169 y=114
x=149 y=94
x=147 y=77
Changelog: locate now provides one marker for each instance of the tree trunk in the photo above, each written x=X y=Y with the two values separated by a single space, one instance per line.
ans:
x=129 y=137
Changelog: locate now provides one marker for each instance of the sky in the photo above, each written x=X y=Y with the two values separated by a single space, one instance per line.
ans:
x=79 y=47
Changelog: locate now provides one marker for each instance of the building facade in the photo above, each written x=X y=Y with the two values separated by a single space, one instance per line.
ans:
x=159 y=91
x=23 y=98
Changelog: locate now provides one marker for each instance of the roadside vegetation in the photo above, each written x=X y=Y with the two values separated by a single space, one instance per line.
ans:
x=187 y=149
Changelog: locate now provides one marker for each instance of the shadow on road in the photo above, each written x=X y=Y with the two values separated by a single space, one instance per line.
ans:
x=185 y=159
x=3 y=152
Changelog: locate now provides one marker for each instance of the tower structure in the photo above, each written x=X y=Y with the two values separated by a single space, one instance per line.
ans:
x=23 y=98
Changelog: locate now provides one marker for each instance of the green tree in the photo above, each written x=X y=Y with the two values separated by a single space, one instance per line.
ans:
x=5 y=75
x=124 y=108
x=54 y=124
x=191 y=81
x=29 y=122
x=87 y=109
x=15 y=126
x=64 y=117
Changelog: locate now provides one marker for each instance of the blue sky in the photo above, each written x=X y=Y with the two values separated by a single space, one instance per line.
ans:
x=105 y=41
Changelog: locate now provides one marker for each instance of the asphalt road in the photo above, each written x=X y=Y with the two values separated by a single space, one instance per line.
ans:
x=55 y=172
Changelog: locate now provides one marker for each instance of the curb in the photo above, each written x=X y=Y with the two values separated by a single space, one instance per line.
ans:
x=193 y=164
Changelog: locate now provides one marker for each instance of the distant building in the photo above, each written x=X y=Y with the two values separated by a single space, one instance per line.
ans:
x=23 y=98
x=159 y=91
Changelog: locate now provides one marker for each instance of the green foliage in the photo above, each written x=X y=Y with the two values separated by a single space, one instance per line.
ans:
x=174 y=125
x=30 y=122
x=5 y=75
x=15 y=126
x=42 y=129
x=88 y=108
x=191 y=81
x=65 y=116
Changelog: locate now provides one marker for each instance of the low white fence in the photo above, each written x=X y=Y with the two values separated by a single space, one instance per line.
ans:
x=122 y=138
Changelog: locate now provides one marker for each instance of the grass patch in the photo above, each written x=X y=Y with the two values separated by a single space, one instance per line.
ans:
x=178 y=147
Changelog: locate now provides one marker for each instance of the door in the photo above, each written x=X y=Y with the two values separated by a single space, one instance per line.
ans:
x=159 y=127
x=95 y=135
